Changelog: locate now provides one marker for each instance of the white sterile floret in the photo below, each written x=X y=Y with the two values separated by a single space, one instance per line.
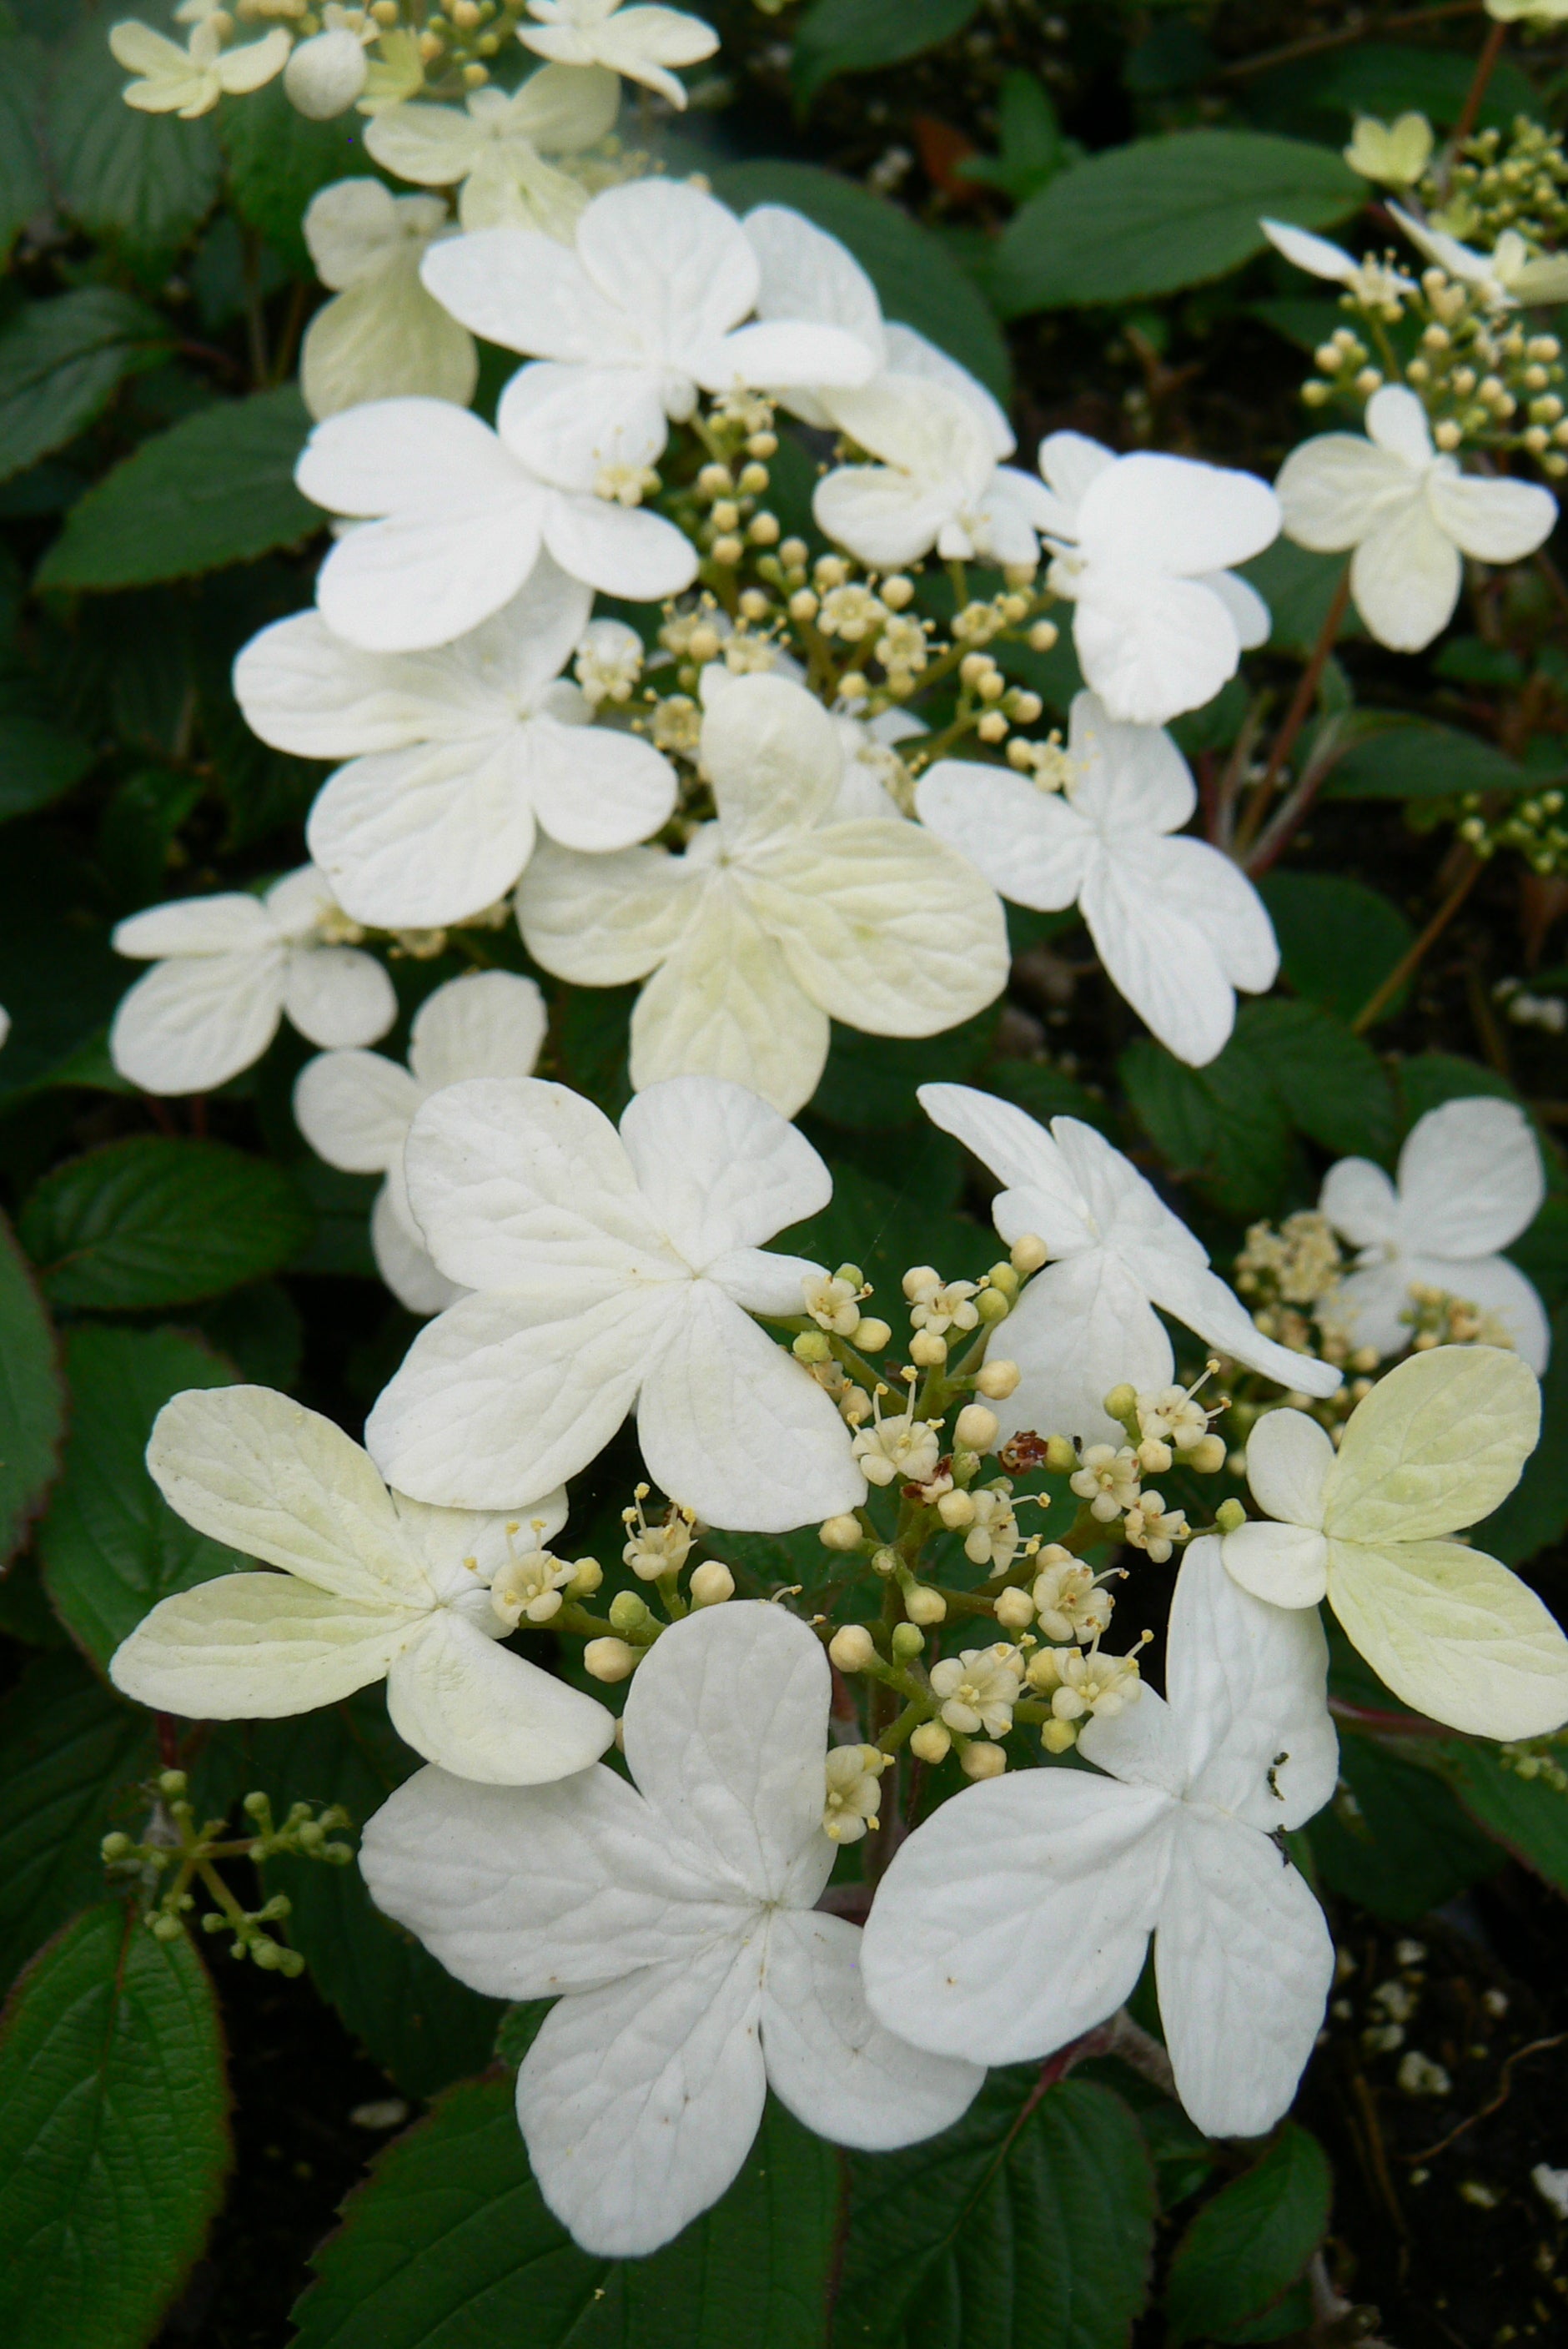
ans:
x=900 y=1447
x=628 y=327
x=642 y=42
x=1511 y=273
x=1177 y=924
x=1409 y=513
x=225 y=971
x=977 y=1689
x=779 y=916
x=453 y=521
x=809 y=275
x=614 y=1270
x=1374 y=284
x=189 y=81
x=1436 y=1446
x=673 y=1921
x=1470 y=1183
x=493 y=147
x=382 y=335
x=355 y=1109
x=1393 y=154
x=1087 y=1324
x=1019 y=1916
x=373 y=1586
x=853 y=1794
x=1144 y=547
x=455 y=758
x=938 y=483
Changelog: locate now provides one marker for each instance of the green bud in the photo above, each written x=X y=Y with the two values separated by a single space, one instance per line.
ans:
x=1003 y=1276
x=1121 y=1402
x=255 y=1805
x=1229 y=1515
x=267 y=1954
x=908 y=1639
x=310 y=1835
x=884 y=1561
x=1061 y=1458
x=214 y=1921
x=811 y=1346
x=165 y=1928
x=171 y=1783
x=290 y=1964
x=992 y=1306
x=627 y=1611
x=853 y=1274
x=116 y=1847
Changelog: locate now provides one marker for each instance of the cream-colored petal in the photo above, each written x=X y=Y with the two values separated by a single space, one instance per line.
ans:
x=1436 y=1444
x=1454 y=1634
x=257 y=1646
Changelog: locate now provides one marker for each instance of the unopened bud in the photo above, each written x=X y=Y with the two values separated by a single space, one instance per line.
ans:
x=171 y=1782
x=1003 y=1276
x=871 y=1335
x=811 y=1346
x=884 y=1561
x=982 y=1761
x=993 y=1306
x=1207 y=1455
x=908 y=1639
x=923 y=1605
x=587 y=1574
x=920 y=1280
x=324 y=75
x=852 y=1648
x=165 y=1928
x=628 y=1612
x=609 y=1660
x=1229 y=1515
x=976 y=1428
x=997 y=1380
x=927 y=1349
x=955 y=1509
x=1043 y=636
x=1027 y=1254
x=839 y=1533
x=114 y=1846
x=1059 y=1736
x=1061 y=1458
x=711 y=1583
x=1121 y=1402
x=930 y=1742
x=1015 y=1609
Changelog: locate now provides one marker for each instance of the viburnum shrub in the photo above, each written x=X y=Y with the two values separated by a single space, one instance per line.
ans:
x=636 y=876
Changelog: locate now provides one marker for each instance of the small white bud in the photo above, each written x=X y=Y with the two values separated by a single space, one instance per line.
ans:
x=852 y=1648
x=997 y=1379
x=1015 y=1609
x=923 y=1605
x=927 y=1349
x=711 y=1583
x=1207 y=1455
x=982 y=1761
x=871 y=1335
x=1027 y=1254
x=955 y=1509
x=609 y=1660
x=930 y=1742
x=841 y=1533
x=324 y=75
x=976 y=1428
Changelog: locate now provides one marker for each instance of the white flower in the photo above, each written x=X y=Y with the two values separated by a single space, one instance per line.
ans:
x=1144 y=545
x=189 y=81
x=459 y=521
x=326 y=73
x=355 y=1109
x=609 y=662
x=1511 y=273
x=1469 y=1182
x=226 y=970
x=1373 y=283
x=673 y=1919
x=373 y=1586
x=628 y=327
x=640 y=42
x=1436 y=1444
x=1019 y=1917
x=853 y=1791
x=1409 y=513
x=614 y=1270
x=938 y=483
x=899 y=1448
x=876 y=781
x=977 y=1689
x=454 y=756
x=496 y=146
x=1393 y=154
x=383 y=335
x=809 y=275
x=1088 y=1322
x=1178 y=925
x=779 y=916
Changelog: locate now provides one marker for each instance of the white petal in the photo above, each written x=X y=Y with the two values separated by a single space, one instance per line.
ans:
x=1336 y=487
x=568 y=424
x=836 y=2068
x=430 y=145
x=1289 y=1456
x=719 y=1168
x=564 y=112
x=434 y=834
x=422 y=579
x=355 y=1109
x=884 y=517
x=782 y=352
x=1406 y=577
x=1373 y=1305
x=384 y=339
x=1396 y=421
x=1286 y=1564
x=807 y=274
x=188 y=1025
x=621 y=550
x=727 y=1004
x=909 y=353
x=1032 y=847
x=402 y=1258
x=593 y=788
x=1250 y=615
x=1244 y=1960
x=366 y=463
x=488 y=1024
x=1144 y=1745
x=1436 y=1444
x=1313 y=253
x=1154 y=955
x=774 y=758
x=602 y=920
x=233 y=924
x=526 y=292
x=255 y=1646
x=1201 y=1299
x=1081 y=1328
x=1453 y=1633
x=1128 y=776
x=1151 y=646
x=1069 y=462
x=762 y=1279
x=1500 y=1288
x=1470 y=1178
x=304 y=689
x=474 y=1708
x=1018 y=1916
x=1040 y=1194
x=1359 y=1201
x=1213 y=892
x=1174 y=514
x=337 y=996
x=1496 y=522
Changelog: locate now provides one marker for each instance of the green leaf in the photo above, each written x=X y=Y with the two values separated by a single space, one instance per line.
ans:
x=1535 y=1513
x=1163 y=213
x=1428 y=1080
x=67 y=1747
x=1329 y=1083
x=1298 y=585
x=59 y=977
x=32 y=1397
x=278 y=160
x=217 y=488
x=1528 y=1815
x=1541 y=1252
x=1029 y=139
x=884 y=1231
x=1045 y=2206
x=1409 y=759
x=154 y=1222
x=1246 y=2248
x=60 y=360
x=870 y=1082
x=23 y=188
x=140 y=182
x=449 y=2242
x=1220 y=1127
x=114 y=2140
x=1338 y=939
x=111 y=1546
x=1046 y=1092
x=837 y=36
x=1398 y=1844
x=917 y=280
x=39 y=764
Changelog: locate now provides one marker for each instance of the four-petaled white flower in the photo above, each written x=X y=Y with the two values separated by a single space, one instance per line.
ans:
x=779 y=916
x=454 y=756
x=355 y=1109
x=614 y=1270
x=1469 y=1182
x=1019 y=1916
x=373 y=1586
x=1088 y=1321
x=938 y=483
x=1436 y=1444
x=673 y=1919
x=496 y=145
x=642 y=42
x=454 y=521
x=1511 y=273
x=225 y=971
x=1408 y=513
x=1144 y=547
x=626 y=328
x=1177 y=924
x=1374 y=284
x=383 y=335
x=189 y=81
x=809 y=275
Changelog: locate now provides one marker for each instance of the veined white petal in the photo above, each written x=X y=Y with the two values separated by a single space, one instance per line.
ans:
x=255 y=1646
x=472 y=1707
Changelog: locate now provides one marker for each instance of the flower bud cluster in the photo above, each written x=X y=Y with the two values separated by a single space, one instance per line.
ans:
x=1536 y=827
x=1490 y=186
x=175 y=1859
x=1438 y=1318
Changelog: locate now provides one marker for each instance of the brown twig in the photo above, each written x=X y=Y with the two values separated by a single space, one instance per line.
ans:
x=1485 y=67
x=1534 y=2048
x=1315 y=43
x=1411 y=960
x=1295 y=716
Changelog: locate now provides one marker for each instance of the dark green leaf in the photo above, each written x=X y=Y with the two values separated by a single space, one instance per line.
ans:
x=217 y=488
x=278 y=160
x=111 y=1546
x=870 y=1082
x=1219 y=1126
x=1396 y=1842
x=138 y=829
x=919 y=283
x=1046 y=1092
x=1025 y=2222
x=1246 y=2248
x=1411 y=760
x=154 y=1222
x=23 y=189
x=884 y=1231
x=39 y=764
x=142 y=182
x=1541 y=1252
x=448 y=2242
x=341 y=1204
x=1527 y=1814
x=1535 y=1513
x=1329 y=1083
x=1160 y=213
x=1427 y=1080
x=1298 y=585
x=114 y=2140
x=836 y=36
x=1032 y=149
x=32 y=1397
x=59 y=362
x=1388 y=77
x=67 y=1747
x=1338 y=939
x=59 y=977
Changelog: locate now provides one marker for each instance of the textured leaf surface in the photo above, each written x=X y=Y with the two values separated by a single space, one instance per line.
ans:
x=278 y=158
x=836 y=36
x=39 y=762
x=59 y=362
x=1535 y=1513
x=1412 y=760
x=1246 y=2248
x=450 y=2243
x=1402 y=1845
x=1527 y=1815
x=1338 y=939
x=31 y=1396
x=142 y=182
x=22 y=189
x=113 y=2135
